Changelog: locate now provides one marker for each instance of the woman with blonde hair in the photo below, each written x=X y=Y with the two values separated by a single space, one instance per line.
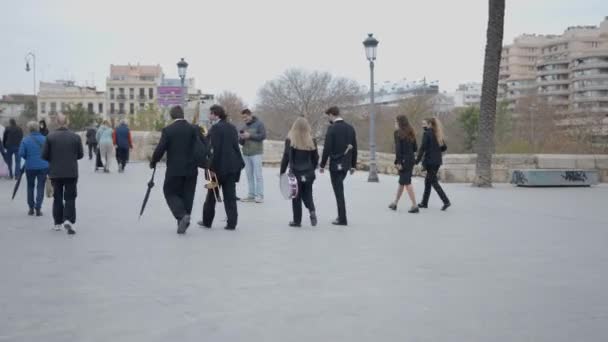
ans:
x=106 y=144
x=405 y=149
x=302 y=158
x=433 y=145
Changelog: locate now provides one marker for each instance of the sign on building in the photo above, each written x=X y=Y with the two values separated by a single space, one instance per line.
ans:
x=169 y=96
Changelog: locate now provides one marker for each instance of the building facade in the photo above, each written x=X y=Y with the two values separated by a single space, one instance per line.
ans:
x=467 y=95
x=12 y=105
x=131 y=88
x=58 y=97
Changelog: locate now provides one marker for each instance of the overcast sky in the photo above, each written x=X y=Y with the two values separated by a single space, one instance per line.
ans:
x=238 y=45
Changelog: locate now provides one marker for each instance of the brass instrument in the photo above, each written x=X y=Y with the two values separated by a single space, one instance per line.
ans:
x=213 y=185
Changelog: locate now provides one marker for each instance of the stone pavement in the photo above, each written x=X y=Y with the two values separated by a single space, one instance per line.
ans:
x=505 y=264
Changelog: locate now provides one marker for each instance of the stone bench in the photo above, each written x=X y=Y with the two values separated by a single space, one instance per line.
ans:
x=554 y=177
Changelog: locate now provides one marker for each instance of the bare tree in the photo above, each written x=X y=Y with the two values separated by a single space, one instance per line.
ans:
x=233 y=105
x=489 y=89
x=301 y=93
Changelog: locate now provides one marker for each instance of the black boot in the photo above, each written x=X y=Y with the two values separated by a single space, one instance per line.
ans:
x=295 y=225
x=38 y=212
x=423 y=206
x=313 y=218
x=446 y=206
x=31 y=212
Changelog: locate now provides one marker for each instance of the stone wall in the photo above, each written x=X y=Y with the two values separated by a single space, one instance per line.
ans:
x=457 y=168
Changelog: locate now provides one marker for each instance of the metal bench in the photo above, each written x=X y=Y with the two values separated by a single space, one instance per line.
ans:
x=554 y=177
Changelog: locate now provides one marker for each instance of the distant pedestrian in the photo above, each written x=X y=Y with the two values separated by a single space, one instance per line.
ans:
x=36 y=168
x=44 y=130
x=62 y=150
x=123 y=143
x=4 y=173
x=180 y=140
x=341 y=151
x=432 y=146
x=252 y=137
x=405 y=149
x=12 y=140
x=302 y=158
x=106 y=144
x=226 y=164
x=92 y=141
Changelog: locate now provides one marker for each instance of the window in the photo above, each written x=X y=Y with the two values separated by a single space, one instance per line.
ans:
x=142 y=106
x=131 y=108
x=151 y=93
x=91 y=108
x=112 y=108
x=131 y=93
x=121 y=108
x=100 y=107
x=53 y=107
x=43 y=107
x=111 y=93
x=142 y=93
x=594 y=44
x=63 y=107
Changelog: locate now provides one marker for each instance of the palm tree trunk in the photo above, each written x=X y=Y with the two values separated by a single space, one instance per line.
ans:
x=489 y=88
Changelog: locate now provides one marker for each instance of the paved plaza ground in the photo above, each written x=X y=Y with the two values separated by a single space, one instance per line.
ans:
x=502 y=264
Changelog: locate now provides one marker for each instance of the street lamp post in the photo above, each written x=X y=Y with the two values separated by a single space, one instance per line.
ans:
x=30 y=56
x=371 y=45
x=182 y=66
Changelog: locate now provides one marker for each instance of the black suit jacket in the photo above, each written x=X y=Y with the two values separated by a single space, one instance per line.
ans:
x=178 y=140
x=405 y=152
x=226 y=158
x=62 y=149
x=339 y=135
x=301 y=162
x=430 y=150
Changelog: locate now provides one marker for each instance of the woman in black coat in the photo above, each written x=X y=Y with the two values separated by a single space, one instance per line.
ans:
x=302 y=157
x=405 y=149
x=433 y=145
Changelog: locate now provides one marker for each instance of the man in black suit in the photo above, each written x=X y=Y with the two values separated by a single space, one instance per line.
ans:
x=341 y=150
x=180 y=140
x=62 y=150
x=226 y=164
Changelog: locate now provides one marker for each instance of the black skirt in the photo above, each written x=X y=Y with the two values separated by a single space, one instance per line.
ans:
x=405 y=175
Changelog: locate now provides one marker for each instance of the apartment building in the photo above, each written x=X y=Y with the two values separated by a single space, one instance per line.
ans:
x=12 y=105
x=467 y=95
x=131 y=88
x=56 y=98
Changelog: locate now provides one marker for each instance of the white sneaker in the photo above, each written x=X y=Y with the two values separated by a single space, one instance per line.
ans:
x=259 y=200
x=247 y=199
x=69 y=227
x=57 y=227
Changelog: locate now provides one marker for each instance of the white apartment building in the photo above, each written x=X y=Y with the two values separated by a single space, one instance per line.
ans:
x=56 y=98
x=467 y=95
x=131 y=88
x=12 y=105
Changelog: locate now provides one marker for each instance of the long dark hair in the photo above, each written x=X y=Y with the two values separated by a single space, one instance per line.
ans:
x=405 y=130
x=437 y=129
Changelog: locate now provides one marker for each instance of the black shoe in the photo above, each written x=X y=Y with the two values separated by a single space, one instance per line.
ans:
x=230 y=228
x=203 y=225
x=296 y=225
x=422 y=206
x=30 y=212
x=68 y=228
x=446 y=206
x=313 y=219
x=184 y=223
x=392 y=206
x=339 y=223
x=38 y=212
x=414 y=210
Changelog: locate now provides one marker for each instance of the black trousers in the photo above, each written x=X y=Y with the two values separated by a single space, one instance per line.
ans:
x=179 y=194
x=122 y=156
x=337 y=183
x=92 y=148
x=304 y=195
x=64 y=200
x=228 y=186
x=431 y=181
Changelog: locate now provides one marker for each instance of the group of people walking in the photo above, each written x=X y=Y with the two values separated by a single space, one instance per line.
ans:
x=105 y=141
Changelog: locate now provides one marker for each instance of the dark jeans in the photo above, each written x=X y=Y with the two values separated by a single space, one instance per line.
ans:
x=179 y=194
x=92 y=149
x=304 y=195
x=337 y=183
x=10 y=152
x=64 y=200
x=431 y=181
x=228 y=185
x=35 y=179
x=122 y=156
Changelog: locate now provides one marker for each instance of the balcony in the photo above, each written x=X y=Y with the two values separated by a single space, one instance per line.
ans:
x=594 y=65
x=593 y=76
x=565 y=71
x=142 y=97
x=121 y=97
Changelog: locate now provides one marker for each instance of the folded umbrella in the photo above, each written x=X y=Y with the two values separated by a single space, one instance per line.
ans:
x=150 y=186
x=18 y=182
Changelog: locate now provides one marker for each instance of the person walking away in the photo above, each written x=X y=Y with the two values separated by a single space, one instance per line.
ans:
x=12 y=140
x=63 y=149
x=106 y=144
x=432 y=146
x=179 y=141
x=92 y=141
x=43 y=129
x=3 y=167
x=252 y=137
x=302 y=157
x=341 y=150
x=226 y=164
x=36 y=168
x=405 y=149
x=123 y=142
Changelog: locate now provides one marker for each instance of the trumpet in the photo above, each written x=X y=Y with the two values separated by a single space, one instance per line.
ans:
x=213 y=185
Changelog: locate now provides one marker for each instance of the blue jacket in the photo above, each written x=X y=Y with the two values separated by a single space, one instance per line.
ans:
x=31 y=150
x=122 y=137
x=104 y=135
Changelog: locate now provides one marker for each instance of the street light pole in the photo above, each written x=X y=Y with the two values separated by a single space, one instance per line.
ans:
x=182 y=66
x=371 y=44
x=31 y=56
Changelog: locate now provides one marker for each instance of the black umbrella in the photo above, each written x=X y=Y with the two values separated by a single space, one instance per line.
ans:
x=18 y=181
x=150 y=186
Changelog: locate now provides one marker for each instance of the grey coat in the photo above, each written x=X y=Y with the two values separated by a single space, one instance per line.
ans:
x=62 y=150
